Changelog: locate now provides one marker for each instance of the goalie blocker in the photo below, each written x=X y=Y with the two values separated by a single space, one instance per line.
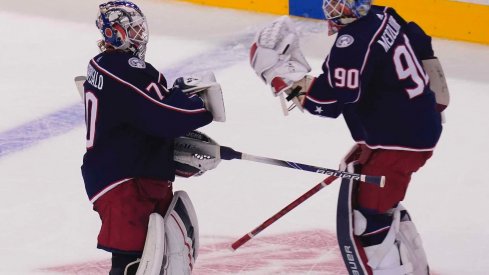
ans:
x=205 y=86
x=172 y=242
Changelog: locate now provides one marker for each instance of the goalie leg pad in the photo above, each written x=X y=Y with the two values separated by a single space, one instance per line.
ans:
x=182 y=236
x=385 y=257
x=401 y=250
x=376 y=243
x=154 y=246
x=350 y=247
x=411 y=244
x=394 y=247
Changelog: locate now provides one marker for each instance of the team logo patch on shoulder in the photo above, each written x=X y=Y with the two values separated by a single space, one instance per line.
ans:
x=344 y=41
x=137 y=63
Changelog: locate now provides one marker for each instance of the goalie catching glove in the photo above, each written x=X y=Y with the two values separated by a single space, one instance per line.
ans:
x=191 y=155
x=205 y=86
x=277 y=58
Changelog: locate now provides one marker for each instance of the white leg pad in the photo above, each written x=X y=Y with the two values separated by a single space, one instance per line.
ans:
x=154 y=247
x=401 y=252
x=182 y=236
x=412 y=248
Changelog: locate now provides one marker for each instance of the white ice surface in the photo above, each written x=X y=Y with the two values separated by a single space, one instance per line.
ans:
x=46 y=219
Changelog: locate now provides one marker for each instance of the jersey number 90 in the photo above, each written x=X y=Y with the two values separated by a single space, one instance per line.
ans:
x=407 y=66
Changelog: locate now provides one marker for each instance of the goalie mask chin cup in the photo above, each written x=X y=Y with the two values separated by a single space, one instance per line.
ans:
x=340 y=13
x=123 y=27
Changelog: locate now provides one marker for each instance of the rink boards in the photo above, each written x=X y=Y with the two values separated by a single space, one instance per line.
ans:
x=466 y=20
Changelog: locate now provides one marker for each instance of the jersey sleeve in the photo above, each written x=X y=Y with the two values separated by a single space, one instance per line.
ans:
x=173 y=116
x=150 y=106
x=340 y=81
x=321 y=99
x=164 y=112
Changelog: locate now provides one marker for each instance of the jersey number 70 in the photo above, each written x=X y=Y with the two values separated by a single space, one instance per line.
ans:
x=91 y=106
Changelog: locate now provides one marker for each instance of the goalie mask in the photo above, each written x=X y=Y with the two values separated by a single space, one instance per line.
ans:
x=339 y=13
x=123 y=27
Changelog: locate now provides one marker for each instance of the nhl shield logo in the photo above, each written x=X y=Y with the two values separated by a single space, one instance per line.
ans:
x=344 y=41
x=137 y=63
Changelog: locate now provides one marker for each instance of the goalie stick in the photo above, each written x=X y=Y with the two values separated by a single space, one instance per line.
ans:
x=227 y=153
x=241 y=241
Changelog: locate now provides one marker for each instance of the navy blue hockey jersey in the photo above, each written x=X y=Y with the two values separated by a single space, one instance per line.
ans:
x=374 y=77
x=132 y=119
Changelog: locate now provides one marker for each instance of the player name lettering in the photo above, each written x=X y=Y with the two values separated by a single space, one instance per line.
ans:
x=390 y=34
x=94 y=78
x=338 y=174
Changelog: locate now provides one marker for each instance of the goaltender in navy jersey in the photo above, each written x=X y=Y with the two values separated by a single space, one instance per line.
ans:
x=124 y=97
x=384 y=96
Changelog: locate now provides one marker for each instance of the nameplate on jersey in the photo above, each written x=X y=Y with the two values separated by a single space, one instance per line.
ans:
x=390 y=34
x=95 y=78
x=137 y=63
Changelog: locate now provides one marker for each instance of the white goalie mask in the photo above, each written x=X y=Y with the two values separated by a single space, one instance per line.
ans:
x=343 y=12
x=123 y=26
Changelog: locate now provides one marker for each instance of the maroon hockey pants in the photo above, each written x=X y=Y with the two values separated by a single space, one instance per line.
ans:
x=125 y=211
x=397 y=166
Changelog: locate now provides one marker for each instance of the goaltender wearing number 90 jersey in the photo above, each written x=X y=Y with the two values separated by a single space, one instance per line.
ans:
x=131 y=120
x=374 y=77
